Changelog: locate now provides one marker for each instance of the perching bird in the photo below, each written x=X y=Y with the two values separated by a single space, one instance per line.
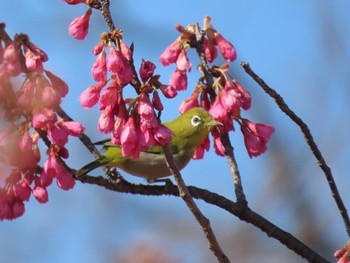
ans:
x=190 y=129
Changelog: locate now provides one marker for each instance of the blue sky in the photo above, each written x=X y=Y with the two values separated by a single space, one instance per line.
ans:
x=301 y=48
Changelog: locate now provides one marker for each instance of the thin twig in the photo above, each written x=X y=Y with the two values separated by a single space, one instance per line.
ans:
x=3 y=34
x=107 y=14
x=241 y=211
x=83 y=138
x=202 y=220
x=236 y=177
x=309 y=140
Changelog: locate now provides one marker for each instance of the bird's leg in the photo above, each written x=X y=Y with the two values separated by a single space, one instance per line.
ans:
x=166 y=181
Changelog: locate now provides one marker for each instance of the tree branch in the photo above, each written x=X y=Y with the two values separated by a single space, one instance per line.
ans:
x=202 y=220
x=309 y=140
x=241 y=211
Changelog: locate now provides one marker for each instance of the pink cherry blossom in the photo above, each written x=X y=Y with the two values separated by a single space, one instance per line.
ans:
x=115 y=60
x=22 y=190
x=156 y=102
x=225 y=47
x=73 y=128
x=91 y=95
x=45 y=179
x=43 y=117
x=218 y=146
x=199 y=152
x=171 y=53
x=182 y=62
x=50 y=97
x=60 y=86
x=125 y=75
x=179 y=80
x=125 y=50
x=80 y=26
x=99 y=68
x=168 y=91
x=57 y=134
x=40 y=193
x=65 y=180
x=109 y=96
x=145 y=108
x=53 y=166
x=190 y=102
x=146 y=70
x=210 y=50
x=245 y=98
x=33 y=62
x=17 y=209
x=163 y=135
x=11 y=53
x=129 y=138
x=230 y=98
x=145 y=140
x=98 y=48
x=256 y=136
x=106 y=120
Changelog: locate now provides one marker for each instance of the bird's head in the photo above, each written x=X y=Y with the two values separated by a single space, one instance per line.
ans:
x=195 y=123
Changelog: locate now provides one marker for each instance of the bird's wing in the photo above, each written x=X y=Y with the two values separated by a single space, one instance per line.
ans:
x=153 y=150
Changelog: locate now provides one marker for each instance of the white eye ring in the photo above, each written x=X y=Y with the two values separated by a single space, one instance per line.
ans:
x=196 y=120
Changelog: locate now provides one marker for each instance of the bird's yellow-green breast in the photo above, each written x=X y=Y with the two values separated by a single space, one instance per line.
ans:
x=189 y=129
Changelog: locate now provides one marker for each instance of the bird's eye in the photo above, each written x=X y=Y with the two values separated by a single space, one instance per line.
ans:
x=195 y=121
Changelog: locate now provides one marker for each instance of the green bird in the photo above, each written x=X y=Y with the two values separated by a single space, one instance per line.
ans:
x=190 y=129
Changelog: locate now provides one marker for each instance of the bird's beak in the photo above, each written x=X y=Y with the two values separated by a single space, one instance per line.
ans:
x=213 y=123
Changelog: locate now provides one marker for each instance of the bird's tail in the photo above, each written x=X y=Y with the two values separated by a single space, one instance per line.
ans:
x=91 y=166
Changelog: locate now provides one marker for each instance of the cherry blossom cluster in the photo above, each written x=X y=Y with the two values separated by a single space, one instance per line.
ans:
x=227 y=97
x=133 y=123
x=224 y=101
x=27 y=115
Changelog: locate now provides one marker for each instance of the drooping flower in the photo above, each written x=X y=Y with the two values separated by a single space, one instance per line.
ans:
x=182 y=62
x=146 y=70
x=210 y=50
x=168 y=91
x=115 y=60
x=109 y=96
x=60 y=86
x=40 y=193
x=218 y=146
x=256 y=136
x=163 y=135
x=73 y=128
x=99 y=68
x=129 y=140
x=57 y=134
x=171 y=53
x=199 y=152
x=106 y=120
x=53 y=166
x=91 y=95
x=80 y=26
x=190 y=102
x=179 y=80
x=65 y=180
x=156 y=102
x=225 y=47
